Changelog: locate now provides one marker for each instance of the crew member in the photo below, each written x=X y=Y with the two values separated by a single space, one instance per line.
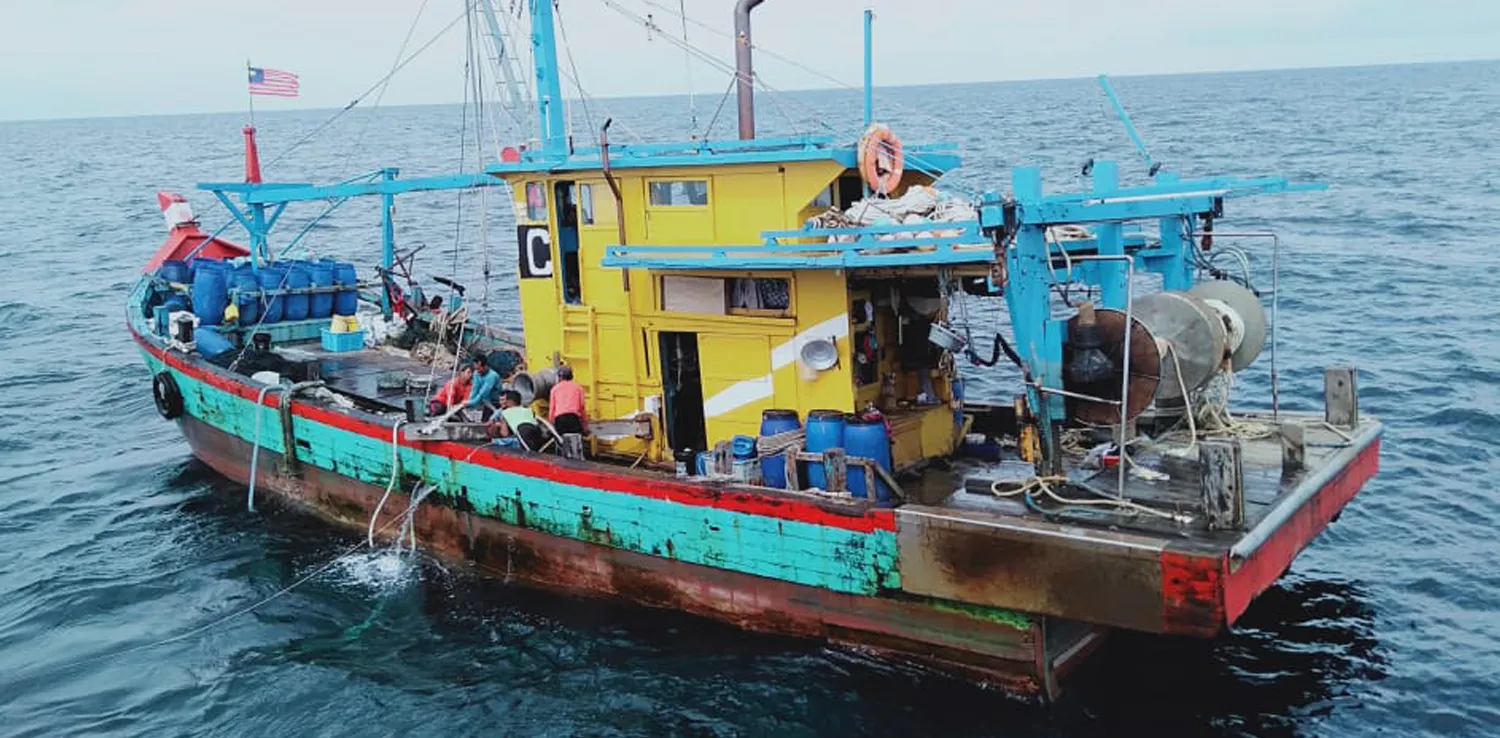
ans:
x=517 y=421
x=565 y=404
x=485 y=392
x=455 y=391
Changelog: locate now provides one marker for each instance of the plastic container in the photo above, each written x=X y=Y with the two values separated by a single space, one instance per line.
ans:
x=247 y=294
x=684 y=459
x=345 y=301
x=773 y=468
x=744 y=447
x=210 y=293
x=297 y=306
x=271 y=279
x=704 y=464
x=338 y=343
x=175 y=270
x=868 y=439
x=211 y=343
x=320 y=274
x=825 y=430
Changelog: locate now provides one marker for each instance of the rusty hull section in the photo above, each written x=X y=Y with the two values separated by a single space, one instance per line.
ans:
x=1154 y=583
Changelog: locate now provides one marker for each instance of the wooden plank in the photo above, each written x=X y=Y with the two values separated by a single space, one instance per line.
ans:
x=837 y=470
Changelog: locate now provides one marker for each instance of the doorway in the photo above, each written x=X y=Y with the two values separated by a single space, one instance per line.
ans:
x=567 y=241
x=682 y=391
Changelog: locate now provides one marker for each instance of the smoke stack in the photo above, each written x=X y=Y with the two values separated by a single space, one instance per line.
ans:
x=744 y=69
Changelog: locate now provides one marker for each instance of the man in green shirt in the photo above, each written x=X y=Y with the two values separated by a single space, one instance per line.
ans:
x=517 y=421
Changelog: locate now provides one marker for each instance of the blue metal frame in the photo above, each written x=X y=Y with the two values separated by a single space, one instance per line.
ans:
x=551 y=118
x=935 y=158
x=869 y=67
x=256 y=198
x=1173 y=203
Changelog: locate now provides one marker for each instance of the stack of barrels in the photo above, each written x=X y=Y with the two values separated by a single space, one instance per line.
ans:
x=271 y=294
x=826 y=429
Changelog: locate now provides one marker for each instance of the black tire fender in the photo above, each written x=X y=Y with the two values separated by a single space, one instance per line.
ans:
x=167 y=396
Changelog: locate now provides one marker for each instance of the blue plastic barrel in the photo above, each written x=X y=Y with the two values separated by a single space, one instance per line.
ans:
x=825 y=430
x=212 y=343
x=175 y=303
x=868 y=439
x=247 y=294
x=271 y=278
x=175 y=270
x=210 y=293
x=773 y=468
x=321 y=275
x=705 y=463
x=298 y=306
x=346 y=301
x=744 y=447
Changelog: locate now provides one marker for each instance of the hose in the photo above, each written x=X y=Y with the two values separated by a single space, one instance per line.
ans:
x=260 y=400
x=391 y=485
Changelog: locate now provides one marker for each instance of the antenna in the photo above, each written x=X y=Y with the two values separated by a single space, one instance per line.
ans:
x=1152 y=166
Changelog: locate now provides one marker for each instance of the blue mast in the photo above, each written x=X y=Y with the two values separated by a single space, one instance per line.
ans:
x=552 y=123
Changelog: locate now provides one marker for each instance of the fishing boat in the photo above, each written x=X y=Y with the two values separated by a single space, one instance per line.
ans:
x=777 y=339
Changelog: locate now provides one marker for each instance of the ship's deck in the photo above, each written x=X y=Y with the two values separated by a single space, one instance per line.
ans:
x=976 y=487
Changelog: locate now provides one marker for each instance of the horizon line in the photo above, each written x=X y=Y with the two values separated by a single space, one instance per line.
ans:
x=1197 y=73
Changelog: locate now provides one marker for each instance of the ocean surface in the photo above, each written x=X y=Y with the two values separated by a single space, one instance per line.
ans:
x=123 y=555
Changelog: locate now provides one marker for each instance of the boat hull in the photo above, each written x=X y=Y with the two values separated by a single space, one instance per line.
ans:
x=1022 y=658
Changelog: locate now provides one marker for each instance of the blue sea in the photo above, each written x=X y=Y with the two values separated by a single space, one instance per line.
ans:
x=124 y=557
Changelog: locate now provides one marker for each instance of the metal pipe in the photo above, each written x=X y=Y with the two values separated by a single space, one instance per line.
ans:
x=869 y=68
x=1275 y=301
x=1129 y=331
x=744 y=67
x=614 y=188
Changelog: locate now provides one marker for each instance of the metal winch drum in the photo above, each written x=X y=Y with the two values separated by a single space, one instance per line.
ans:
x=1212 y=327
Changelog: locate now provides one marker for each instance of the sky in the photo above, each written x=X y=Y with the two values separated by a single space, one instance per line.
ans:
x=91 y=58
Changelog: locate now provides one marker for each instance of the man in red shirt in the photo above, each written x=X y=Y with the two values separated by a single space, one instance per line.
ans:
x=452 y=393
x=565 y=405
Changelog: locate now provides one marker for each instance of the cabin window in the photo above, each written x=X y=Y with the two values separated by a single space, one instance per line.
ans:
x=763 y=297
x=586 y=204
x=688 y=192
x=755 y=294
x=824 y=198
x=536 y=201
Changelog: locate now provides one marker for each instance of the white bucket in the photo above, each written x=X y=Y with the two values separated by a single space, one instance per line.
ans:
x=945 y=337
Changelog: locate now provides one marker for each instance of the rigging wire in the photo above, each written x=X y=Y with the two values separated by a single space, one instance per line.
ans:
x=562 y=29
x=468 y=7
x=709 y=58
x=687 y=68
x=384 y=85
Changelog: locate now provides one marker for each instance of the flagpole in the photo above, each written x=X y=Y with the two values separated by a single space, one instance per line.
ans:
x=250 y=93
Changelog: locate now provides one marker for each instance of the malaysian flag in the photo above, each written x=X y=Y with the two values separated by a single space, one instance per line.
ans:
x=272 y=82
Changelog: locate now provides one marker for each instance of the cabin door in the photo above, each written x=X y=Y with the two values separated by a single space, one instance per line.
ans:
x=565 y=195
x=682 y=391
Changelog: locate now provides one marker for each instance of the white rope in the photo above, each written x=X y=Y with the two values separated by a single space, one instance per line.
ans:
x=1044 y=485
x=391 y=485
x=255 y=446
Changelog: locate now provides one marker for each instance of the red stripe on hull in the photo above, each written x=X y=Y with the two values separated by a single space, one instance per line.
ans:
x=768 y=504
x=906 y=630
x=1202 y=594
x=1261 y=570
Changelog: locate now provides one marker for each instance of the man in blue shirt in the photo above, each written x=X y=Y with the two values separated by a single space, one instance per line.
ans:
x=485 y=391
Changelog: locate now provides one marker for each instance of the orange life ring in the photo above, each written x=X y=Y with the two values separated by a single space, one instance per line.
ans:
x=880 y=159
